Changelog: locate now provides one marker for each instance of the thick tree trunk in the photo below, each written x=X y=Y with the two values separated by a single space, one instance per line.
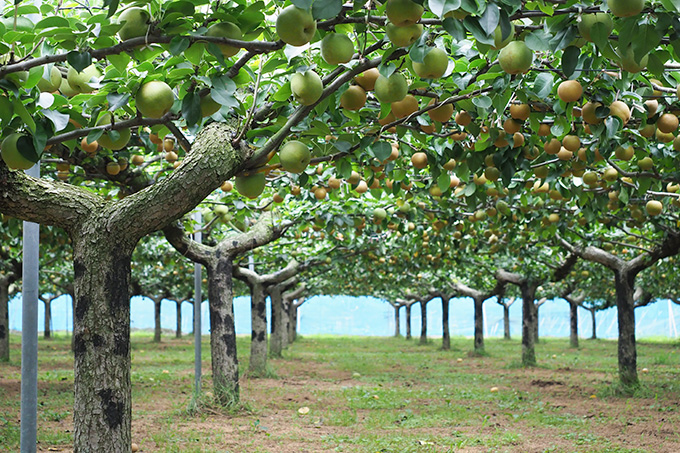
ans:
x=625 y=304
x=258 y=337
x=573 y=324
x=222 y=331
x=593 y=335
x=157 y=319
x=47 y=329
x=423 y=322
x=102 y=400
x=4 y=318
x=73 y=324
x=528 y=291
x=446 y=336
x=479 y=325
x=178 y=328
x=276 y=339
x=408 y=321
x=506 y=322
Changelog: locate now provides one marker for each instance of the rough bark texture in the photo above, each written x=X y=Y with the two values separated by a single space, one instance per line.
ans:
x=276 y=339
x=534 y=325
x=423 y=322
x=178 y=328
x=258 y=337
x=408 y=321
x=102 y=406
x=479 y=325
x=223 y=331
x=506 y=322
x=4 y=318
x=289 y=299
x=625 y=284
x=528 y=291
x=446 y=335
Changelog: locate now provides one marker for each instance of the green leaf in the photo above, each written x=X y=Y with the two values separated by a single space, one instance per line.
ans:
x=560 y=127
x=79 y=60
x=117 y=100
x=441 y=7
x=191 y=108
x=490 y=19
x=6 y=110
x=381 y=150
x=303 y=4
x=326 y=9
x=472 y=25
x=194 y=54
x=483 y=102
x=52 y=22
x=538 y=40
x=543 y=85
x=26 y=148
x=113 y=6
x=60 y=120
x=570 y=60
x=179 y=44
x=444 y=181
x=43 y=131
x=455 y=28
x=26 y=117
x=119 y=61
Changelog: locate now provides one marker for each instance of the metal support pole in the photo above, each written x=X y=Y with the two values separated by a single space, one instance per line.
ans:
x=29 y=332
x=197 y=310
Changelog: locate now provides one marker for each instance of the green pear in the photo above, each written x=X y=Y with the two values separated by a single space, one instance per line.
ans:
x=306 y=87
x=295 y=26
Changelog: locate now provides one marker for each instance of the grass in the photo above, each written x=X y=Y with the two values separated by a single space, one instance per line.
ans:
x=367 y=394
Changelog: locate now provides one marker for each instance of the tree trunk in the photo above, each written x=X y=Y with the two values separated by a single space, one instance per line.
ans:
x=593 y=336
x=157 y=319
x=291 y=312
x=222 y=331
x=479 y=325
x=625 y=304
x=73 y=323
x=573 y=324
x=258 y=337
x=534 y=325
x=528 y=291
x=293 y=324
x=423 y=322
x=506 y=321
x=47 y=332
x=408 y=321
x=276 y=340
x=178 y=329
x=446 y=336
x=285 y=324
x=4 y=318
x=397 y=327
x=102 y=399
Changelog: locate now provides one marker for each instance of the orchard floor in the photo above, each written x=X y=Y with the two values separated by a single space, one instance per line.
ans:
x=377 y=395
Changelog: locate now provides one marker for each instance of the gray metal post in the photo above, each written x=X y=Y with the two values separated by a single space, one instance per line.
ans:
x=29 y=332
x=197 y=310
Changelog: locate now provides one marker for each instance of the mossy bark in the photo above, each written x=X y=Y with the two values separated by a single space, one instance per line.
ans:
x=276 y=339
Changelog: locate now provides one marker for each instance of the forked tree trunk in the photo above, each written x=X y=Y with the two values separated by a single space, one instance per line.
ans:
x=157 y=319
x=102 y=403
x=528 y=291
x=258 y=319
x=222 y=331
x=178 y=328
x=4 y=318
x=625 y=303
x=408 y=321
x=423 y=322
x=573 y=324
x=479 y=325
x=446 y=336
